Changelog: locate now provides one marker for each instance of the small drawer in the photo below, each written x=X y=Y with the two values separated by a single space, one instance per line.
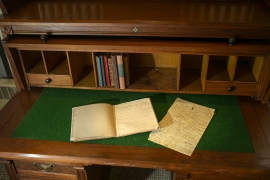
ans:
x=45 y=167
x=230 y=88
x=44 y=170
x=43 y=79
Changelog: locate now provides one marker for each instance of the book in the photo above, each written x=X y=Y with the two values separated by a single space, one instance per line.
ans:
x=126 y=69
x=98 y=121
x=106 y=67
x=115 y=72
x=99 y=71
x=103 y=70
x=120 y=67
x=110 y=64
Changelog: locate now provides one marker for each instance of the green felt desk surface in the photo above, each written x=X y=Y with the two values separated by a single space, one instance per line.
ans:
x=50 y=118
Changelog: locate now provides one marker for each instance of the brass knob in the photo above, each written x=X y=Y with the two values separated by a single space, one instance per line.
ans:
x=43 y=38
x=231 y=89
x=48 y=81
x=231 y=41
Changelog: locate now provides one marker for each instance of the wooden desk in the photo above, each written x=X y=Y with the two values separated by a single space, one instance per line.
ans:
x=179 y=28
x=79 y=156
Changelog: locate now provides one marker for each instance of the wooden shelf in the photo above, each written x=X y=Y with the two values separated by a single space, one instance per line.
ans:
x=38 y=68
x=62 y=68
x=248 y=68
x=190 y=73
x=217 y=69
x=153 y=78
x=190 y=80
x=87 y=77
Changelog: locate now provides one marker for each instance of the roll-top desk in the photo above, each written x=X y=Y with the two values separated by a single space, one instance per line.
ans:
x=190 y=47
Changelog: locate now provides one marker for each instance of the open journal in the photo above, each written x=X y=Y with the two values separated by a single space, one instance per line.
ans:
x=98 y=121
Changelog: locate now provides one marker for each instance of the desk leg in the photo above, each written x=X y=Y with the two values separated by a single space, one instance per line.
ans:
x=180 y=175
x=92 y=172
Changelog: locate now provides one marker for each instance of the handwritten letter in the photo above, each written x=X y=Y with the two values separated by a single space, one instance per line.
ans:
x=183 y=126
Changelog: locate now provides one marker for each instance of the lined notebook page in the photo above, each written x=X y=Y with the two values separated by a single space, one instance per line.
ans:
x=135 y=117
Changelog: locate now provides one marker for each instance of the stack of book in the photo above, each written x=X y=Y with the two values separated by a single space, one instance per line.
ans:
x=112 y=70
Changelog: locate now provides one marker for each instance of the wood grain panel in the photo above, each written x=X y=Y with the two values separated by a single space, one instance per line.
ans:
x=130 y=45
x=21 y=102
x=257 y=66
x=17 y=71
x=232 y=61
x=162 y=18
x=257 y=136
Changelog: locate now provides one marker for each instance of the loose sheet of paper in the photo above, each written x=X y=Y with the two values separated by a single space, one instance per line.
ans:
x=183 y=126
x=135 y=117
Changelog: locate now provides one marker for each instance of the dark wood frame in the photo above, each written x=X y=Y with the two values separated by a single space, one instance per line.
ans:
x=206 y=164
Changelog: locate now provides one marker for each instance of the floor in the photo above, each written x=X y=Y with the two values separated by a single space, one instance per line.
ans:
x=3 y=173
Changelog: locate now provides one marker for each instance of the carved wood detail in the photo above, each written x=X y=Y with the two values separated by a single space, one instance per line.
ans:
x=6 y=29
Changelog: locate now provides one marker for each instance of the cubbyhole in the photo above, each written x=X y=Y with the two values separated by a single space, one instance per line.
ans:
x=219 y=68
x=248 y=68
x=190 y=73
x=81 y=67
x=32 y=62
x=153 y=71
x=56 y=63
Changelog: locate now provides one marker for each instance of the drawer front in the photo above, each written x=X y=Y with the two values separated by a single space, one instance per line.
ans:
x=230 y=88
x=43 y=168
x=56 y=80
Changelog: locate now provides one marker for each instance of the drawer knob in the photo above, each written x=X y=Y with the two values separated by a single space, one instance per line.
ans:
x=43 y=167
x=43 y=38
x=48 y=81
x=231 y=41
x=231 y=89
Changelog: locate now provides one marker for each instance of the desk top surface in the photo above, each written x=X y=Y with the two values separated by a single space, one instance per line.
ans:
x=255 y=115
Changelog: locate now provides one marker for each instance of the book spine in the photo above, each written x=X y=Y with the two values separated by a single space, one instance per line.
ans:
x=107 y=73
x=121 y=75
x=102 y=70
x=115 y=72
x=110 y=64
x=99 y=71
x=126 y=69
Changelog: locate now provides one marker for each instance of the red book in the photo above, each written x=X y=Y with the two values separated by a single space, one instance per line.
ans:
x=107 y=72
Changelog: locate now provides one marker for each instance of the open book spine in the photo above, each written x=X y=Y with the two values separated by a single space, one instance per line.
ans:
x=103 y=70
x=99 y=71
x=115 y=71
x=120 y=67
x=110 y=65
x=107 y=73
